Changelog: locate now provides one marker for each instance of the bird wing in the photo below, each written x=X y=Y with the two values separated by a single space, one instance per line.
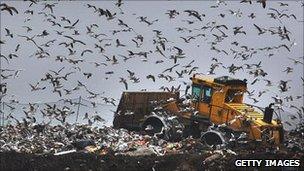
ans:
x=69 y=37
x=260 y=30
x=80 y=42
x=5 y=58
x=158 y=50
x=75 y=23
x=275 y=10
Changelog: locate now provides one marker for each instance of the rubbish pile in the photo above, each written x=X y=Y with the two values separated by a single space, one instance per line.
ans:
x=294 y=139
x=73 y=146
x=63 y=139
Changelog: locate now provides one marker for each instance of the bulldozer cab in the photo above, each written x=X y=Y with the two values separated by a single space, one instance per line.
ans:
x=210 y=94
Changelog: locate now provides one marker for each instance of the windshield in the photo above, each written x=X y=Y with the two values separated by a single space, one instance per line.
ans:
x=202 y=93
x=207 y=94
x=196 y=92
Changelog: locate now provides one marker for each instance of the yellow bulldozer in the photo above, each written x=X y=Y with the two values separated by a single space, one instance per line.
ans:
x=213 y=111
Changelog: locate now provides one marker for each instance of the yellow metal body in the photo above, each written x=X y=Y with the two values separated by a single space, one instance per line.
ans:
x=238 y=116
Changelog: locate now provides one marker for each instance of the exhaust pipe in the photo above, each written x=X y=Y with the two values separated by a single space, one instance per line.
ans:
x=268 y=113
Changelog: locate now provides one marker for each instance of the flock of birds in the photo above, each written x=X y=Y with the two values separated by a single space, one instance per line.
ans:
x=64 y=33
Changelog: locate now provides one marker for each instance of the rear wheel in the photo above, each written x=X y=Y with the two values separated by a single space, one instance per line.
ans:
x=153 y=125
x=163 y=126
x=212 y=137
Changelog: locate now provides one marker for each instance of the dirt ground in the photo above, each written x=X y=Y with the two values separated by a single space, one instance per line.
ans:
x=86 y=161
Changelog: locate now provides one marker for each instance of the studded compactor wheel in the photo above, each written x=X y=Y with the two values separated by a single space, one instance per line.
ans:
x=162 y=125
x=213 y=137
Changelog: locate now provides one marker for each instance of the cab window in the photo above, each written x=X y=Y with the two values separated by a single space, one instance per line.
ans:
x=207 y=94
x=202 y=93
x=196 y=92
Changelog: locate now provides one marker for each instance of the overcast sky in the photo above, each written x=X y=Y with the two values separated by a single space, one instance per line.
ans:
x=198 y=49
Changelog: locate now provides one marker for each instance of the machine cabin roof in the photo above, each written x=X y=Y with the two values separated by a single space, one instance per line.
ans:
x=219 y=81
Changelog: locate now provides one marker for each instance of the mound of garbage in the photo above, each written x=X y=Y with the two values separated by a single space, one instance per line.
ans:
x=83 y=147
